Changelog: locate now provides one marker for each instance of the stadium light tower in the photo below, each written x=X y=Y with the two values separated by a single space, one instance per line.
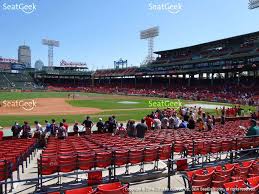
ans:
x=50 y=44
x=150 y=34
x=253 y=4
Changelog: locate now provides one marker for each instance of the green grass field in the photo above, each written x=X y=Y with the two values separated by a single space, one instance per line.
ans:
x=31 y=95
x=108 y=104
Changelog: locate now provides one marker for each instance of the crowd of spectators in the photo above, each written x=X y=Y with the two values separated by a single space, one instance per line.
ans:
x=228 y=94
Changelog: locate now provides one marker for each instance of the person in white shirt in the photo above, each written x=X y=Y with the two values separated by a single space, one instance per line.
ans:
x=38 y=129
x=157 y=123
x=177 y=122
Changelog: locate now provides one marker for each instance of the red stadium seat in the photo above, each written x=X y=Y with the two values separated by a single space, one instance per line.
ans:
x=112 y=188
x=165 y=152
x=103 y=159
x=48 y=166
x=231 y=186
x=85 y=190
x=150 y=154
x=136 y=156
x=121 y=157
x=4 y=171
x=86 y=161
x=67 y=163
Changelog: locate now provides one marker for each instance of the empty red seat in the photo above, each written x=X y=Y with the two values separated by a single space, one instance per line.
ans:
x=254 y=184
x=113 y=188
x=136 y=156
x=85 y=190
x=86 y=161
x=48 y=166
x=121 y=157
x=165 y=152
x=67 y=163
x=4 y=171
x=201 y=185
x=150 y=154
x=103 y=159
x=232 y=186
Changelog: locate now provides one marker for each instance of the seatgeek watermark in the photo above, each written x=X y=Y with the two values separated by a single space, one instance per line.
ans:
x=165 y=104
x=27 y=105
x=20 y=7
x=171 y=7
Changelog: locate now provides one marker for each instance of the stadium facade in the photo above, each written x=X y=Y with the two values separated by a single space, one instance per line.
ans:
x=235 y=58
x=230 y=60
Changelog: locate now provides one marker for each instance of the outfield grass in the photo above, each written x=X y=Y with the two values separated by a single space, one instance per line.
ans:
x=31 y=95
x=121 y=103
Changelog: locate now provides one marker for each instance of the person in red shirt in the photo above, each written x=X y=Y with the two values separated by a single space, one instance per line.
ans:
x=149 y=121
x=1 y=135
x=227 y=112
x=65 y=125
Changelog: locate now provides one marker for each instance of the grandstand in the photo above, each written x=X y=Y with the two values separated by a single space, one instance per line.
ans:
x=17 y=81
x=233 y=59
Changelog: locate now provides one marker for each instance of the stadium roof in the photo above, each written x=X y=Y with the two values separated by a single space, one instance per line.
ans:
x=211 y=42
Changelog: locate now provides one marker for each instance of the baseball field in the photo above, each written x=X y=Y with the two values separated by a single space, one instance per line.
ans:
x=41 y=106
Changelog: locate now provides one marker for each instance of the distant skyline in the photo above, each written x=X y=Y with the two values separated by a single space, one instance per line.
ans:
x=99 y=32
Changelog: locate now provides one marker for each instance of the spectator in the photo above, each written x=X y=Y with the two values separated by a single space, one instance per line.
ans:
x=47 y=129
x=183 y=124
x=61 y=131
x=201 y=125
x=177 y=122
x=121 y=130
x=209 y=122
x=65 y=126
x=53 y=128
x=141 y=128
x=100 y=126
x=76 y=129
x=222 y=120
x=1 y=135
x=26 y=130
x=253 y=116
x=16 y=129
x=157 y=123
x=164 y=122
x=171 y=122
x=131 y=128
x=111 y=125
x=186 y=116
x=114 y=121
x=213 y=120
x=191 y=123
x=88 y=124
x=253 y=129
x=106 y=126
x=149 y=121
x=38 y=130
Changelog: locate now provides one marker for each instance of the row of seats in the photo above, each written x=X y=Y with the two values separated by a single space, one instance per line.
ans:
x=248 y=186
x=109 y=188
x=82 y=153
x=220 y=139
x=216 y=177
x=13 y=153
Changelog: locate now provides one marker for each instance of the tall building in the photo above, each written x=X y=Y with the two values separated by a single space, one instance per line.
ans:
x=24 y=55
x=38 y=65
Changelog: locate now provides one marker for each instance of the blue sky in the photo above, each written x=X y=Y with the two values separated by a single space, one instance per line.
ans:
x=100 y=31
